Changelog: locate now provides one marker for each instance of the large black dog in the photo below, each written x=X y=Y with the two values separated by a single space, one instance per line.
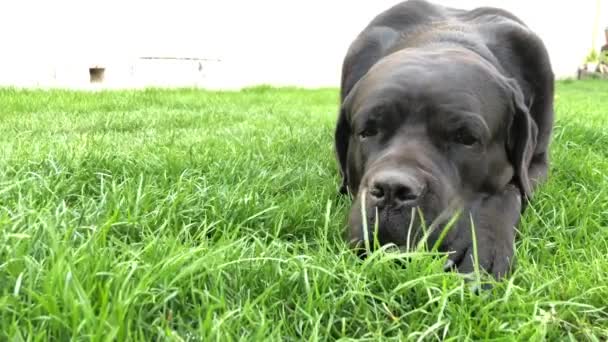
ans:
x=444 y=111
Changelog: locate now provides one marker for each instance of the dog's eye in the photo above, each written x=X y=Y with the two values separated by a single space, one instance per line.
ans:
x=368 y=132
x=464 y=137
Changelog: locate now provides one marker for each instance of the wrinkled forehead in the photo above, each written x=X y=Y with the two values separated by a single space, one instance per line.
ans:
x=438 y=90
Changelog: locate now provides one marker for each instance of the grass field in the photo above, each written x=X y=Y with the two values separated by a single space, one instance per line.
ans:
x=192 y=215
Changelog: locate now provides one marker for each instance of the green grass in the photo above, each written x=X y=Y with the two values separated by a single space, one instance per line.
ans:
x=193 y=215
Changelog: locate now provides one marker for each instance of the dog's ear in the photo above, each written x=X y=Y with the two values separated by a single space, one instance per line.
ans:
x=521 y=140
x=342 y=137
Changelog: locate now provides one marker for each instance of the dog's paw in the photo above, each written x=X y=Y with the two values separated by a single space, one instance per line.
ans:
x=492 y=252
x=490 y=257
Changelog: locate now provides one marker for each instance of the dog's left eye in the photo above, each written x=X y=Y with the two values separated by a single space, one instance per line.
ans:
x=464 y=137
x=368 y=132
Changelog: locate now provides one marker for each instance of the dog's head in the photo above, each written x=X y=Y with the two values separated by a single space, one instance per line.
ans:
x=427 y=130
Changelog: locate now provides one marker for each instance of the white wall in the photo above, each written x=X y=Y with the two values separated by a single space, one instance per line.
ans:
x=281 y=42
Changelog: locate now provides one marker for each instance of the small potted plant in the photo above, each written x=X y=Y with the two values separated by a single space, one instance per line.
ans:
x=603 y=62
x=591 y=61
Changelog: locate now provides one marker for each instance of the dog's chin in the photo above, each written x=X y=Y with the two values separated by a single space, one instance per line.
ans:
x=402 y=231
x=402 y=234
x=360 y=250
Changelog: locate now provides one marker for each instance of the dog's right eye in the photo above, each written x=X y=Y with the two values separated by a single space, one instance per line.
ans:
x=464 y=137
x=368 y=132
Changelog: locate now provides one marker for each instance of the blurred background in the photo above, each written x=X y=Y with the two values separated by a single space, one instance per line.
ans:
x=231 y=44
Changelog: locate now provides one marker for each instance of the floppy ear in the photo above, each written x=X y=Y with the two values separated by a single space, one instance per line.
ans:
x=521 y=141
x=342 y=136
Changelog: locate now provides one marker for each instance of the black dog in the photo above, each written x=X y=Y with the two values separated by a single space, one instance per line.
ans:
x=445 y=111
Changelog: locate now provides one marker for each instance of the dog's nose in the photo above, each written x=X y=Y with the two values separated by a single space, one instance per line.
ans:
x=394 y=188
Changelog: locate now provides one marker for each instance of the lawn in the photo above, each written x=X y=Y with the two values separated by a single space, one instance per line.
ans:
x=197 y=215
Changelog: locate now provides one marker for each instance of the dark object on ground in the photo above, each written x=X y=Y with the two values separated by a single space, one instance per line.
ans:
x=444 y=110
